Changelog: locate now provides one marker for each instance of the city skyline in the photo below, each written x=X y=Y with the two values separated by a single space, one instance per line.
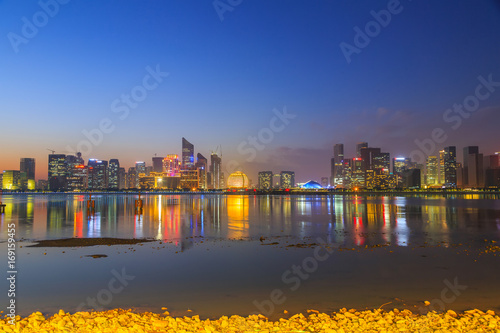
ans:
x=430 y=66
x=365 y=158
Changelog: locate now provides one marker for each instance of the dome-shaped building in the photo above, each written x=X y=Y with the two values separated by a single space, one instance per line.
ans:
x=312 y=185
x=237 y=180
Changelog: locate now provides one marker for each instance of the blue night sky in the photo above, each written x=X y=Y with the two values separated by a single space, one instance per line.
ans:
x=225 y=78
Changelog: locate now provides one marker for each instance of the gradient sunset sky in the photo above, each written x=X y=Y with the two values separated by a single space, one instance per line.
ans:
x=226 y=76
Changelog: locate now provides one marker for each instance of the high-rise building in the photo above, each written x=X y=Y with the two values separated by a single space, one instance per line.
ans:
x=27 y=166
x=441 y=178
x=97 y=174
x=265 y=180
x=190 y=179
x=332 y=171
x=216 y=171
x=158 y=164
x=412 y=178
x=57 y=172
x=113 y=174
x=338 y=156
x=140 y=170
x=77 y=179
x=187 y=154
x=132 y=178
x=122 y=179
x=171 y=166
x=11 y=180
x=368 y=157
x=287 y=179
x=432 y=171
x=202 y=166
x=472 y=175
x=360 y=146
x=450 y=167
x=399 y=165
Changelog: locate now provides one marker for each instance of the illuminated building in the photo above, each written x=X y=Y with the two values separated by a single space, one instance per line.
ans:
x=216 y=171
x=237 y=180
x=57 y=172
x=97 y=174
x=360 y=146
x=189 y=179
x=276 y=181
x=357 y=177
x=202 y=166
x=158 y=164
x=399 y=166
x=113 y=170
x=187 y=154
x=170 y=183
x=11 y=180
x=27 y=165
x=380 y=181
x=146 y=182
x=287 y=179
x=450 y=167
x=311 y=185
x=265 y=180
x=132 y=179
x=432 y=169
x=140 y=168
x=171 y=166
x=473 y=167
x=77 y=179
x=338 y=157
x=441 y=178
x=122 y=179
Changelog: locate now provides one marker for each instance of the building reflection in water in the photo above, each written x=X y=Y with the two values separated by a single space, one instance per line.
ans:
x=344 y=220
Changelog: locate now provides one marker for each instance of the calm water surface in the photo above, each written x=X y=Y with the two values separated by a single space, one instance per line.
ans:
x=225 y=254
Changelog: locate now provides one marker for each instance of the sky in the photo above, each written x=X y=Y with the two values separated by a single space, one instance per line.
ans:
x=273 y=84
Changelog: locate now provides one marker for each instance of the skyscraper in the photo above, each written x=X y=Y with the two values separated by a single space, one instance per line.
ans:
x=187 y=154
x=399 y=166
x=158 y=164
x=265 y=180
x=450 y=167
x=432 y=172
x=97 y=174
x=216 y=171
x=113 y=171
x=360 y=146
x=122 y=179
x=132 y=178
x=27 y=166
x=287 y=179
x=472 y=167
x=201 y=166
x=57 y=172
x=338 y=156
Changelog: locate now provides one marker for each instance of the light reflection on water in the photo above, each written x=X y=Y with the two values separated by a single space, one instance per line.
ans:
x=357 y=220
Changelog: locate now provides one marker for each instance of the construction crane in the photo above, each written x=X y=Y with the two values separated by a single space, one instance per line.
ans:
x=53 y=151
